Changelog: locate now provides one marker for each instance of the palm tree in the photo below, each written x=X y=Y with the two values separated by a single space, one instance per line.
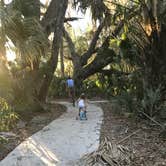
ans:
x=30 y=43
x=29 y=35
x=150 y=36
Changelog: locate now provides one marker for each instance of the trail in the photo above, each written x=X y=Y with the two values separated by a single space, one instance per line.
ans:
x=61 y=143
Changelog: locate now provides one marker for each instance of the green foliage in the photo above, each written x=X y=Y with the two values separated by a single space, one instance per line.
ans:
x=3 y=140
x=6 y=90
x=58 y=88
x=91 y=88
x=20 y=23
x=29 y=8
x=25 y=33
x=81 y=43
x=7 y=116
x=25 y=87
x=94 y=86
x=127 y=101
x=97 y=85
x=152 y=102
x=129 y=51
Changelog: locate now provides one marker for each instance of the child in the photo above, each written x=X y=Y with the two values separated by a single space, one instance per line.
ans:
x=82 y=105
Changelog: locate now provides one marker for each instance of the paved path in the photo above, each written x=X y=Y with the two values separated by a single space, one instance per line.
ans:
x=61 y=143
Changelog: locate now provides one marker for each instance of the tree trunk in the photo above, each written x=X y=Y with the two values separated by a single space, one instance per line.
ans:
x=78 y=80
x=61 y=6
x=62 y=60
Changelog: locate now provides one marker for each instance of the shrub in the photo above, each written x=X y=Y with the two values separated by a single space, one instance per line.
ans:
x=127 y=101
x=151 y=102
x=57 y=88
x=8 y=117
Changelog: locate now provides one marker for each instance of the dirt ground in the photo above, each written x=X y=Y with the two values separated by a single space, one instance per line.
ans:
x=145 y=141
x=30 y=123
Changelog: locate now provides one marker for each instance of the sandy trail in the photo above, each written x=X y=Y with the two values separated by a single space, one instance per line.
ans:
x=61 y=143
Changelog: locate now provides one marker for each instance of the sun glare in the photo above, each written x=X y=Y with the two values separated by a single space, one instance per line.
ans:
x=10 y=55
x=7 y=1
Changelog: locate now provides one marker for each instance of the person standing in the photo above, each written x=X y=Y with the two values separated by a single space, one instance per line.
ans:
x=70 y=89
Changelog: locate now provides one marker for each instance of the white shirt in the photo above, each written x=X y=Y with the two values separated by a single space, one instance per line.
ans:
x=81 y=103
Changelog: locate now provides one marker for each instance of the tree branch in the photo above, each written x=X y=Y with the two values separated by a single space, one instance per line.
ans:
x=49 y=27
x=49 y=16
x=71 y=19
x=90 y=51
x=70 y=44
x=68 y=58
x=87 y=55
x=101 y=60
x=113 y=71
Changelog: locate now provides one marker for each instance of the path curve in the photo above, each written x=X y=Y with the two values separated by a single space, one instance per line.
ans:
x=61 y=143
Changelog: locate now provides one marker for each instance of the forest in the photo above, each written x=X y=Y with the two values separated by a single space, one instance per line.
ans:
x=120 y=56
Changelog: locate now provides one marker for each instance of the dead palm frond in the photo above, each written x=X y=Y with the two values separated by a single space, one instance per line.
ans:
x=108 y=153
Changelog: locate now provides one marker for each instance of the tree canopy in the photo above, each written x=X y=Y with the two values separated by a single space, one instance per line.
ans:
x=124 y=52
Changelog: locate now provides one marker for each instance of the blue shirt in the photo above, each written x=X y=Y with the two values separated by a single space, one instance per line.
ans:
x=70 y=83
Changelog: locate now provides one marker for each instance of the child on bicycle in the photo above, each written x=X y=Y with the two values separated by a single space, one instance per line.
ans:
x=82 y=106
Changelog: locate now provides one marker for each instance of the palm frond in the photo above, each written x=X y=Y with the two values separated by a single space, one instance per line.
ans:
x=25 y=33
x=98 y=7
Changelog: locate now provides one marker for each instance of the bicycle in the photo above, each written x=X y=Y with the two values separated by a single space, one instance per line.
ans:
x=72 y=96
